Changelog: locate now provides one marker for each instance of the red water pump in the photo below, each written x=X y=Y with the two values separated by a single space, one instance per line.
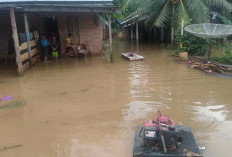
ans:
x=160 y=133
x=160 y=137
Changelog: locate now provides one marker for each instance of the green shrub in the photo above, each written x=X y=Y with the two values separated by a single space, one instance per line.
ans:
x=191 y=44
x=226 y=57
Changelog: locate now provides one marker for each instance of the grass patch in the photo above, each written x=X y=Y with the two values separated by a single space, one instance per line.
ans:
x=12 y=105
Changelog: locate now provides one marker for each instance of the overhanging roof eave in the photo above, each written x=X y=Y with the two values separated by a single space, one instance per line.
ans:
x=70 y=9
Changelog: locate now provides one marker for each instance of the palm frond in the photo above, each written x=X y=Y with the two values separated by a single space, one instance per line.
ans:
x=198 y=10
x=164 y=16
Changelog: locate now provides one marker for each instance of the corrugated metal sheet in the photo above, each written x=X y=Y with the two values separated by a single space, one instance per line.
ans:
x=99 y=6
x=55 y=0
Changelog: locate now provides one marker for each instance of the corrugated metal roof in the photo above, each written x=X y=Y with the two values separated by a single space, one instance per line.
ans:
x=55 y=1
x=100 y=6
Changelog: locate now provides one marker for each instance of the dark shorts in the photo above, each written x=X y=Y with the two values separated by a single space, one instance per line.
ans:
x=44 y=51
x=68 y=49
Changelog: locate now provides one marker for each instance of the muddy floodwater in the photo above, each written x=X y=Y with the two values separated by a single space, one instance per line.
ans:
x=91 y=108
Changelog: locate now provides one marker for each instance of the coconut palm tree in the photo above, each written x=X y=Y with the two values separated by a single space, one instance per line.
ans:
x=163 y=12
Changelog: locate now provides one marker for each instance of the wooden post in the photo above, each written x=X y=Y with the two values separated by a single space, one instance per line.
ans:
x=172 y=35
x=131 y=32
x=28 y=38
x=102 y=36
x=162 y=35
x=127 y=31
x=182 y=31
x=16 y=41
x=137 y=32
x=110 y=38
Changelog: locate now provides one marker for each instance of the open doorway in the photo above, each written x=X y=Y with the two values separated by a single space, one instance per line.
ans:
x=51 y=28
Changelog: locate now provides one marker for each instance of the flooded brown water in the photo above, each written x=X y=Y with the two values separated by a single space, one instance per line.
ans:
x=77 y=108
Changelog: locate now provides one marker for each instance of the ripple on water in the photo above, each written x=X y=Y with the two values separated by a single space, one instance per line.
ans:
x=140 y=109
x=209 y=113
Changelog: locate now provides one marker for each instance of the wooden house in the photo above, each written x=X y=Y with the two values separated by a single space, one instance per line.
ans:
x=84 y=19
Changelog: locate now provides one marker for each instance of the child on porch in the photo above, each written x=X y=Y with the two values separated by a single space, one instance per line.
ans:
x=68 y=44
x=54 y=45
x=44 y=47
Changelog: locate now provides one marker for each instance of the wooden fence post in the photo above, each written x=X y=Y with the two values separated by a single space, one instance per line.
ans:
x=16 y=41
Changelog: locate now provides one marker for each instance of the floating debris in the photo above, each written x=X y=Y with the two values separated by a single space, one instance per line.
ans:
x=10 y=147
x=132 y=56
x=207 y=66
x=12 y=105
x=5 y=98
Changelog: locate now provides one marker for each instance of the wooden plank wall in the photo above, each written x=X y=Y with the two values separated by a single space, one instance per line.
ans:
x=24 y=54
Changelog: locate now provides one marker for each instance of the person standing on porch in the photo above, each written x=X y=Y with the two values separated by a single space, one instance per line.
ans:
x=68 y=44
x=44 y=47
x=54 y=45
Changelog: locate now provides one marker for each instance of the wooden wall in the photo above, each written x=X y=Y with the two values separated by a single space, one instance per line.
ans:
x=24 y=54
x=63 y=31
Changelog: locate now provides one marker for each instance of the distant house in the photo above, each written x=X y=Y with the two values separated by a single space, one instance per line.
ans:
x=83 y=18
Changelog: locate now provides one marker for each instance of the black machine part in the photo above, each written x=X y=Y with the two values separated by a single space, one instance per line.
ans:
x=152 y=138
x=187 y=145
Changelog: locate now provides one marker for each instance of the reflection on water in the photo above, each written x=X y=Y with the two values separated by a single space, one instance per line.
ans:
x=139 y=82
x=90 y=108
x=140 y=110
x=210 y=113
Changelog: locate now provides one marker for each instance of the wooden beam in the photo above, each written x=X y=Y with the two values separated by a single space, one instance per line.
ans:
x=28 y=38
x=69 y=9
x=16 y=41
x=110 y=38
